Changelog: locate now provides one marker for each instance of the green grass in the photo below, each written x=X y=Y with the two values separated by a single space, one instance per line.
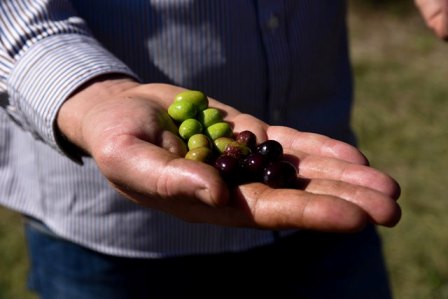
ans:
x=401 y=117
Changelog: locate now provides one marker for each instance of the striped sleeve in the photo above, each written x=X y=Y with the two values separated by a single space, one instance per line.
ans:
x=46 y=53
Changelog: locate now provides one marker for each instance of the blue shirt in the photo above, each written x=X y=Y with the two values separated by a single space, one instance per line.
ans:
x=285 y=61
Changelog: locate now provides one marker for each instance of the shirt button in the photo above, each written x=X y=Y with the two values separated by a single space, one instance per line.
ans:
x=273 y=22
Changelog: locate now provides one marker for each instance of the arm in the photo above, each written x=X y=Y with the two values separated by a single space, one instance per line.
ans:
x=46 y=53
x=435 y=14
x=124 y=127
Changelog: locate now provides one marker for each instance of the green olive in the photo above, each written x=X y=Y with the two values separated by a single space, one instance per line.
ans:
x=200 y=154
x=195 y=97
x=198 y=140
x=209 y=116
x=189 y=127
x=182 y=110
x=221 y=129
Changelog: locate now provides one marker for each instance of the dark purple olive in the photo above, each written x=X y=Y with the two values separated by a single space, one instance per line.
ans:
x=272 y=149
x=280 y=174
x=253 y=167
x=229 y=167
x=236 y=150
x=247 y=138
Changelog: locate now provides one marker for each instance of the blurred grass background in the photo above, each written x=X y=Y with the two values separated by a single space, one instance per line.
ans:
x=401 y=117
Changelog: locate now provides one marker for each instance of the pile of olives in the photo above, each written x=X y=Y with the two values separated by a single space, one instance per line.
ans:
x=237 y=156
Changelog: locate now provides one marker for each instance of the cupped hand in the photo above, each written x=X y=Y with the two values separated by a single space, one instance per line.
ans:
x=435 y=14
x=134 y=143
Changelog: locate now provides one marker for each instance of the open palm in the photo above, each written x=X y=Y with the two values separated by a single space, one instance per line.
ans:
x=135 y=146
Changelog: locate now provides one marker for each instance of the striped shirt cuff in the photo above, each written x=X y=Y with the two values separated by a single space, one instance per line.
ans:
x=48 y=73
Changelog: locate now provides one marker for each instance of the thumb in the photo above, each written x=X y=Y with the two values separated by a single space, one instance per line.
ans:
x=135 y=166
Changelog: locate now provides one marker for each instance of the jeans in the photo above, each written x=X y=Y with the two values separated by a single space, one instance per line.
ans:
x=303 y=265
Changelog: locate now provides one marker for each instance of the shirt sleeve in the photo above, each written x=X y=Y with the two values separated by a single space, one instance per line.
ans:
x=46 y=53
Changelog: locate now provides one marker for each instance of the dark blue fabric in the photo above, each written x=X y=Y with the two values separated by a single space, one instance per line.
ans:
x=304 y=265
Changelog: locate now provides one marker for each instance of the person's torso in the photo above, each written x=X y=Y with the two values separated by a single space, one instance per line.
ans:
x=283 y=61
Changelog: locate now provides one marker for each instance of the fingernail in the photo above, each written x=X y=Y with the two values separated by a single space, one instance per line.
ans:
x=204 y=195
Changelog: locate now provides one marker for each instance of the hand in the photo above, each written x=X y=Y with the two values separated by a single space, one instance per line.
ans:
x=124 y=127
x=435 y=14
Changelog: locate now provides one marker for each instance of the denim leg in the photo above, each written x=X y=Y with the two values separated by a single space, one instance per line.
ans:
x=308 y=265
x=63 y=270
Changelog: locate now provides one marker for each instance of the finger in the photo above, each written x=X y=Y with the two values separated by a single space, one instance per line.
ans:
x=428 y=8
x=314 y=167
x=380 y=208
x=154 y=172
x=290 y=208
x=435 y=14
x=444 y=33
x=173 y=143
x=315 y=144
